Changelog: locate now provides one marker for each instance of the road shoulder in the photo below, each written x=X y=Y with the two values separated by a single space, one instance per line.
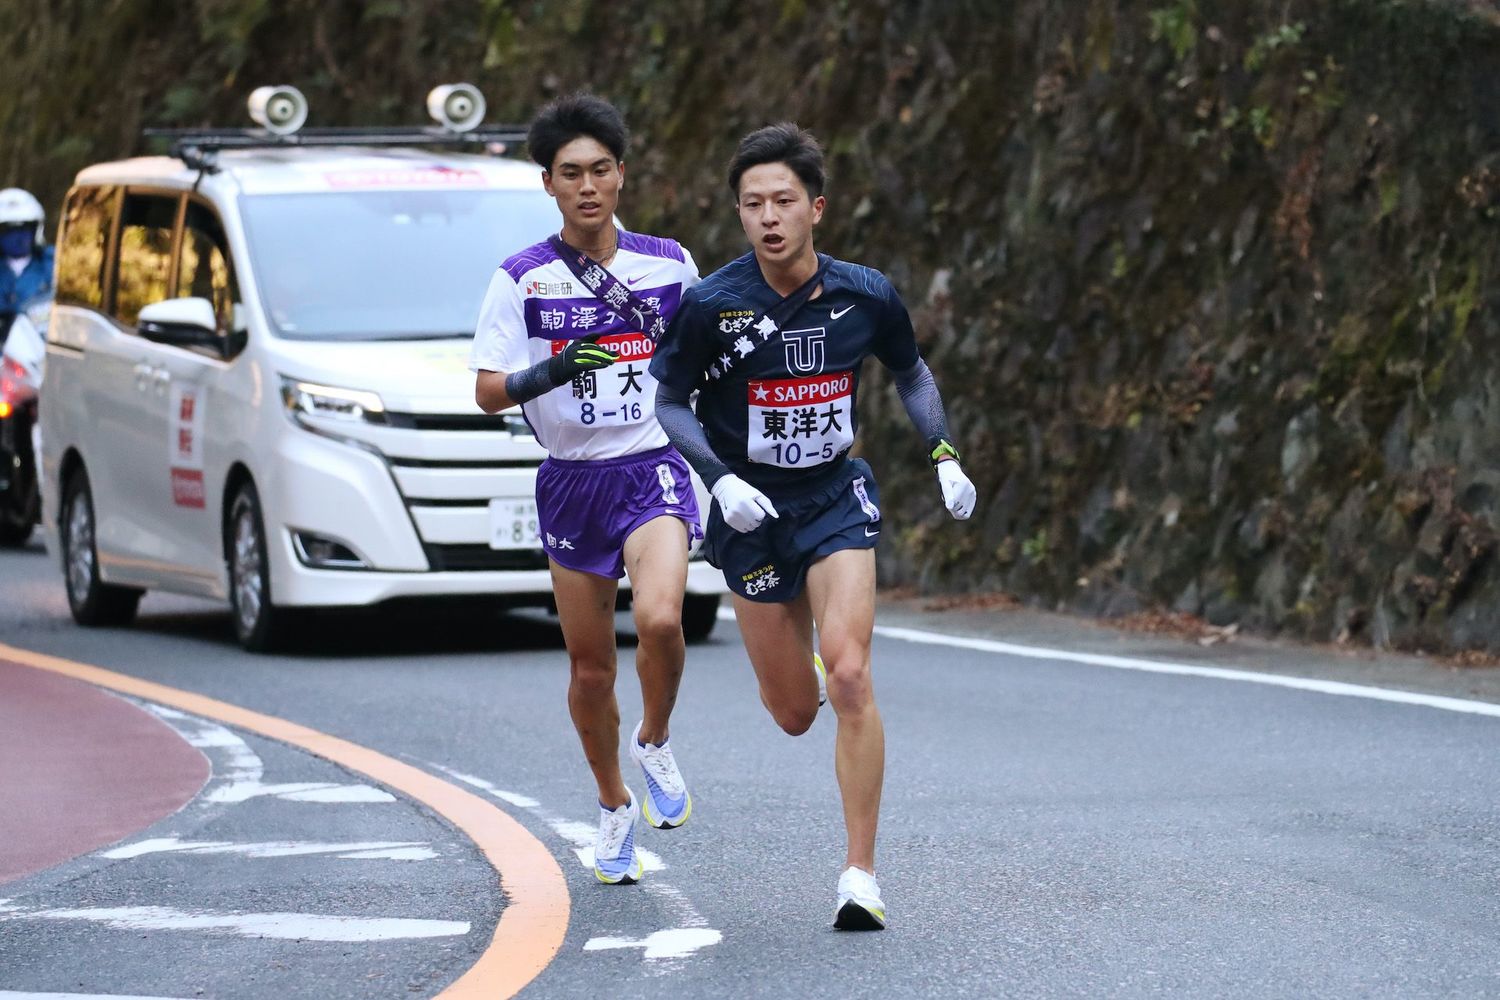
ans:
x=1050 y=630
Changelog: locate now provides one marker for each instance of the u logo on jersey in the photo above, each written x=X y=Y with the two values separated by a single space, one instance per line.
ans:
x=804 y=350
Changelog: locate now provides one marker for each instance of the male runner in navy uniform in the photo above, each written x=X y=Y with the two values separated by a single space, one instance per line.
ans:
x=773 y=342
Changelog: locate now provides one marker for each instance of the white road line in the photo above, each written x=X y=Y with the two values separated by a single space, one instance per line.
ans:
x=240 y=778
x=581 y=836
x=233 y=760
x=12 y=995
x=393 y=854
x=520 y=801
x=300 y=791
x=1183 y=669
x=1192 y=670
x=368 y=850
x=676 y=943
x=283 y=926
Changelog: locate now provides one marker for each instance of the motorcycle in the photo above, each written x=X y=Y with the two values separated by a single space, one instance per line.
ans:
x=22 y=355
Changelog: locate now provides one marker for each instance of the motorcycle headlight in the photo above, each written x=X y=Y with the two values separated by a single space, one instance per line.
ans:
x=308 y=399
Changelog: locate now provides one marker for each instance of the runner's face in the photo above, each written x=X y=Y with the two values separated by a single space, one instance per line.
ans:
x=585 y=179
x=777 y=214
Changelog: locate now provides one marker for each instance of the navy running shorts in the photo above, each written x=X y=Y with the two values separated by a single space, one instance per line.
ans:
x=586 y=510
x=770 y=564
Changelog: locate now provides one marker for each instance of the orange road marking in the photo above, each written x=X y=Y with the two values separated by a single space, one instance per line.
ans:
x=531 y=927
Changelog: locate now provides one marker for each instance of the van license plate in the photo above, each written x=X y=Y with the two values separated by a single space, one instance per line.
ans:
x=513 y=524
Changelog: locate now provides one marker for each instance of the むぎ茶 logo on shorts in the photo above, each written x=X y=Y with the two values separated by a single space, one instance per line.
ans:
x=758 y=581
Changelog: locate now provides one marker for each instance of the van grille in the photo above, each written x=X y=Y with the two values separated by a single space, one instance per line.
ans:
x=460 y=422
x=481 y=557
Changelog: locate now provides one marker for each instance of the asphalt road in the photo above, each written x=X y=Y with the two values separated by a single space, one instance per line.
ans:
x=1050 y=828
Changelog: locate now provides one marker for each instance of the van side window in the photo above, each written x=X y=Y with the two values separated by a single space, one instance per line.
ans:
x=204 y=270
x=145 y=254
x=87 y=219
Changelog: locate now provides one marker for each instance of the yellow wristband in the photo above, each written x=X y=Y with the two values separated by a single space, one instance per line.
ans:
x=944 y=450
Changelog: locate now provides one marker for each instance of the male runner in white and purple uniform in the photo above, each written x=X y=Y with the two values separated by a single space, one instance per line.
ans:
x=613 y=497
x=773 y=342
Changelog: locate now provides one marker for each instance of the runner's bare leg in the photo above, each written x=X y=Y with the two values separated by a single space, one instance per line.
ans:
x=656 y=558
x=841 y=590
x=779 y=639
x=586 y=609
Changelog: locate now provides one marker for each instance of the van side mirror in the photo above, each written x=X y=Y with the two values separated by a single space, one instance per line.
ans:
x=188 y=322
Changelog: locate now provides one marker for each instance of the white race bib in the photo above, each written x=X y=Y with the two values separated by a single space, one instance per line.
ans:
x=615 y=396
x=800 y=422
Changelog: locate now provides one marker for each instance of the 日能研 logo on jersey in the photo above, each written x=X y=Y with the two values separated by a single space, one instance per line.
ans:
x=799 y=422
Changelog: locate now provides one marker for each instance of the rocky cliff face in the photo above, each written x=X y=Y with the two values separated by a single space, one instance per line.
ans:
x=1210 y=287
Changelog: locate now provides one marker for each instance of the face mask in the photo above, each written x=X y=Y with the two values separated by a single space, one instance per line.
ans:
x=16 y=242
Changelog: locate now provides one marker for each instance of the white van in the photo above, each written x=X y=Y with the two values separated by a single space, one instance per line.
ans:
x=257 y=389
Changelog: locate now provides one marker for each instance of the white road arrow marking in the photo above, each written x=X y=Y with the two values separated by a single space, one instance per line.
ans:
x=11 y=995
x=679 y=942
x=300 y=791
x=283 y=926
x=366 y=851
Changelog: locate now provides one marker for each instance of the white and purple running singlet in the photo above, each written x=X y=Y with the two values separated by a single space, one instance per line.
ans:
x=535 y=305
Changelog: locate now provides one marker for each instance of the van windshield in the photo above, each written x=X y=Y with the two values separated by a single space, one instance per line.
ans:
x=386 y=265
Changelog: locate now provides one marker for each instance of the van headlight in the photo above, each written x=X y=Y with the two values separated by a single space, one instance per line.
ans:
x=308 y=399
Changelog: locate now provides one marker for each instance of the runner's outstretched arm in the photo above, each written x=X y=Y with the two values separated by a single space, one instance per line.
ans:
x=924 y=405
x=686 y=434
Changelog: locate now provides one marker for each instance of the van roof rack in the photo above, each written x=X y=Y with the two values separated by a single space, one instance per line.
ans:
x=198 y=147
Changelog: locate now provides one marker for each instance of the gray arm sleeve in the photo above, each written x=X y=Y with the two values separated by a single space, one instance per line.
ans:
x=919 y=394
x=686 y=434
x=529 y=383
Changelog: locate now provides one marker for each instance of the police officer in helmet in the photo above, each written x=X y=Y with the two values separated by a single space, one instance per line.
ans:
x=25 y=259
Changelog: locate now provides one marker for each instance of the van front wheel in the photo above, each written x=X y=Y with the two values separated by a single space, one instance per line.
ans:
x=258 y=624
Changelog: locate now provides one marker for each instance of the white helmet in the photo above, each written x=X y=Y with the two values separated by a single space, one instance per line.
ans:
x=18 y=206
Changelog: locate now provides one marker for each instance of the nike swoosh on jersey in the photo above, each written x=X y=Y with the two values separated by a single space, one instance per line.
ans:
x=835 y=314
x=631 y=281
x=871 y=534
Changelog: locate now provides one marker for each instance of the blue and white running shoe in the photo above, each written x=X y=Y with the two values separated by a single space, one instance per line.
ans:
x=668 y=803
x=615 y=859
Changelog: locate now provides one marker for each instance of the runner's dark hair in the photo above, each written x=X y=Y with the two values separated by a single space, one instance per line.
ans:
x=784 y=142
x=567 y=118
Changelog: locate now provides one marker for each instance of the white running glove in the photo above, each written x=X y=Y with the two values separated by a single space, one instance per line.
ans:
x=958 y=492
x=743 y=505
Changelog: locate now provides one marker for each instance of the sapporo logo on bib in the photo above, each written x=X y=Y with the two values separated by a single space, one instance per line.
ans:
x=798 y=422
x=613 y=396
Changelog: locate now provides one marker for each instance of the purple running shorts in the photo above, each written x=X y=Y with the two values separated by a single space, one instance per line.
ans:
x=586 y=510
